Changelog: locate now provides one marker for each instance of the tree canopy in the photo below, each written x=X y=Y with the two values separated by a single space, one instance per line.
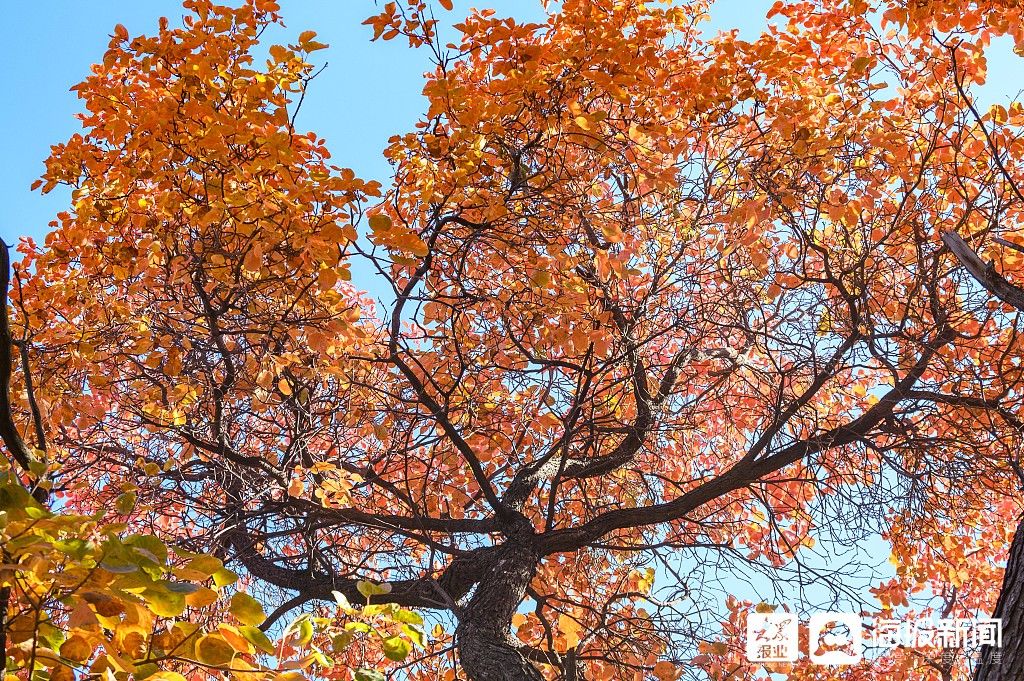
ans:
x=639 y=306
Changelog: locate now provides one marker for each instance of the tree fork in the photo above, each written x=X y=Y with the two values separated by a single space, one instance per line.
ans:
x=483 y=636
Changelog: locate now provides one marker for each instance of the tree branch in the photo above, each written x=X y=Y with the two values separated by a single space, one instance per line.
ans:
x=985 y=274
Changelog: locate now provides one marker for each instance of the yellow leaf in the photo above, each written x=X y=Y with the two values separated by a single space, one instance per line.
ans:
x=570 y=628
x=212 y=649
x=396 y=648
x=256 y=637
x=224 y=577
x=279 y=53
x=247 y=609
x=201 y=597
x=418 y=247
x=76 y=648
x=235 y=638
x=327 y=278
x=380 y=223
x=166 y=676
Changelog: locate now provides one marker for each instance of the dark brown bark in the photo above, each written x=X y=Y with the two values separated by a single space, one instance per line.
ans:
x=12 y=440
x=985 y=274
x=487 y=651
x=17 y=450
x=1007 y=663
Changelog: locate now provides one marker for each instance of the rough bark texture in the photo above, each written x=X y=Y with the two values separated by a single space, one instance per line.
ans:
x=1009 y=666
x=487 y=650
x=1010 y=608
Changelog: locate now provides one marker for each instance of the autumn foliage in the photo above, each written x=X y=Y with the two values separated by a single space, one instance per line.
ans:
x=642 y=306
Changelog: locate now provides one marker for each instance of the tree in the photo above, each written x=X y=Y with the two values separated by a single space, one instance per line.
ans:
x=78 y=594
x=651 y=302
x=1008 y=606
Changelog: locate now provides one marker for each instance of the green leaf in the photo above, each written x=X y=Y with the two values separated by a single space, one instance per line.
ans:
x=163 y=602
x=182 y=587
x=302 y=629
x=305 y=632
x=247 y=609
x=224 y=577
x=340 y=642
x=150 y=544
x=50 y=635
x=369 y=675
x=415 y=633
x=374 y=610
x=73 y=548
x=396 y=648
x=256 y=637
x=145 y=670
x=370 y=589
x=16 y=500
x=136 y=582
x=409 y=617
x=118 y=568
x=125 y=503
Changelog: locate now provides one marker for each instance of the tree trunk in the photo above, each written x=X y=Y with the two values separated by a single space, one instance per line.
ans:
x=1008 y=665
x=1010 y=608
x=487 y=651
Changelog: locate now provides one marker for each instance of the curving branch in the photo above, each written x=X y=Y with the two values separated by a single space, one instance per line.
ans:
x=12 y=439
